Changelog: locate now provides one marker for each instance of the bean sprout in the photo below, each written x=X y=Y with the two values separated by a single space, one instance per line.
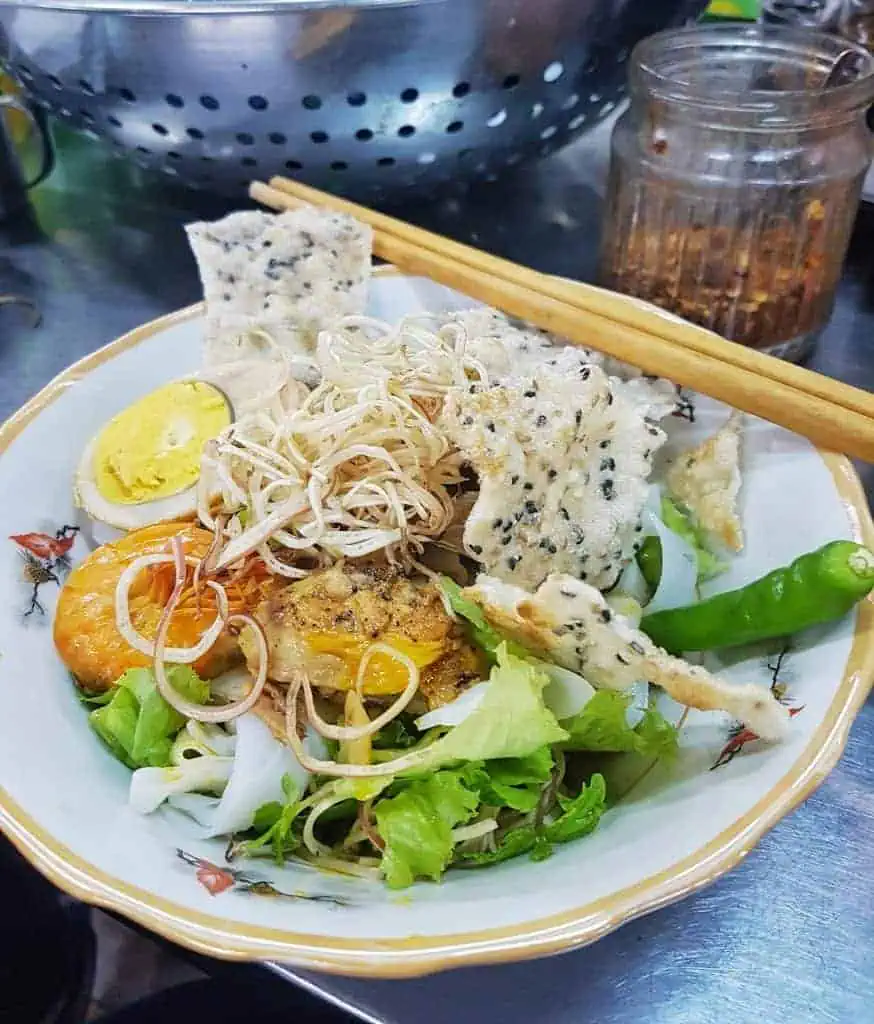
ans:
x=361 y=465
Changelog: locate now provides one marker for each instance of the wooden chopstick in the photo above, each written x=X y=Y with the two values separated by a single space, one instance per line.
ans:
x=820 y=409
x=640 y=315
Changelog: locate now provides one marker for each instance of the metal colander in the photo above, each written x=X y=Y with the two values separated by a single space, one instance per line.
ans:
x=368 y=97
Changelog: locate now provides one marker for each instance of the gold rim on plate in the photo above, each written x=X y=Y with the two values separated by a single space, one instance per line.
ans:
x=417 y=955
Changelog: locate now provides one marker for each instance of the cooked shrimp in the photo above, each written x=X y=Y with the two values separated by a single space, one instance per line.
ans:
x=85 y=632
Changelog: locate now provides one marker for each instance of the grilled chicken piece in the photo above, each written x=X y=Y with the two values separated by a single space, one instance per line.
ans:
x=327 y=621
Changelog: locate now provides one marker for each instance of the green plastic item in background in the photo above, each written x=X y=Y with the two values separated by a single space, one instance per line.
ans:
x=734 y=10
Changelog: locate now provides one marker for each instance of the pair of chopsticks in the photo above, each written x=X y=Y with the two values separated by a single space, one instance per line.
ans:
x=831 y=414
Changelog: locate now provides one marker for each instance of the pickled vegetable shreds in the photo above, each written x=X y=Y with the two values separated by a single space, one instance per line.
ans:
x=707 y=480
x=563 y=462
x=571 y=623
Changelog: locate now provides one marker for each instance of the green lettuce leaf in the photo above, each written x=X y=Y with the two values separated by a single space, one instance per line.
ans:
x=399 y=734
x=681 y=524
x=602 y=726
x=137 y=724
x=517 y=782
x=579 y=816
x=272 y=826
x=512 y=721
x=416 y=826
x=512 y=844
x=482 y=633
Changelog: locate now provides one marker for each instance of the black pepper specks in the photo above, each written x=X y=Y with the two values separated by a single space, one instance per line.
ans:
x=490 y=426
x=496 y=525
x=513 y=561
x=540 y=421
x=531 y=508
x=514 y=479
x=476 y=549
x=608 y=464
x=607 y=489
x=566 y=593
x=552 y=474
x=606 y=615
x=637 y=648
x=528 y=486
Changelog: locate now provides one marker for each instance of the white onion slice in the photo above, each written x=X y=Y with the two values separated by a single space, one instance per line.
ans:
x=639 y=694
x=632 y=583
x=455 y=712
x=335 y=769
x=475 y=831
x=567 y=693
x=177 y=655
x=260 y=762
x=357 y=732
x=150 y=787
x=678 y=585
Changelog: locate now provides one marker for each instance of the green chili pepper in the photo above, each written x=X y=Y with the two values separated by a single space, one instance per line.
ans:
x=817 y=587
x=649 y=560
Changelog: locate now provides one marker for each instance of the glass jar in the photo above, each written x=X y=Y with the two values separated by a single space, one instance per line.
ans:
x=735 y=178
x=857 y=22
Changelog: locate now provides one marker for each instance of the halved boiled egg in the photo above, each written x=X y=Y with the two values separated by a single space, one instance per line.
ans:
x=143 y=466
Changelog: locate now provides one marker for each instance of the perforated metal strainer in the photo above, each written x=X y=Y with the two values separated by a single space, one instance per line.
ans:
x=369 y=97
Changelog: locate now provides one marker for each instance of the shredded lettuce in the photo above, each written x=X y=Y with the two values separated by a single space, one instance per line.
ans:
x=137 y=724
x=602 y=726
x=416 y=826
x=579 y=816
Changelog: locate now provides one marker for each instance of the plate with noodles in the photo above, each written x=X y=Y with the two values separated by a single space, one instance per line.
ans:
x=358 y=628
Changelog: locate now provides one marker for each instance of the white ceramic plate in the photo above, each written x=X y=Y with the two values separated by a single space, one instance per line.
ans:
x=63 y=800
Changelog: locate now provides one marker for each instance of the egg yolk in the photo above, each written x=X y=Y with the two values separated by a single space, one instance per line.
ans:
x=152 y=449
x=384 y=674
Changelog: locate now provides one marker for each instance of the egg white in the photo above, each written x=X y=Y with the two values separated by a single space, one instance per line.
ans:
x=126 y=517
x=87 y=496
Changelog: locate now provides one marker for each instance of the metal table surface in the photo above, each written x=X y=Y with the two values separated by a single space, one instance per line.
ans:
x=786 y=937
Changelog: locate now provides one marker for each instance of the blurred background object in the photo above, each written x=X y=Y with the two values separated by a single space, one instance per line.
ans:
x=22 y=127
x=367 y=97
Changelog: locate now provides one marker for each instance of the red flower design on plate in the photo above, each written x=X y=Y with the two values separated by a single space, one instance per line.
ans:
x=43 y=545
x=213 y=878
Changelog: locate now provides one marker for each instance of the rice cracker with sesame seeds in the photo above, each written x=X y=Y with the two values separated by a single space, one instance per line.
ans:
x=563 y=460
x=288 y=274
x=570 y=623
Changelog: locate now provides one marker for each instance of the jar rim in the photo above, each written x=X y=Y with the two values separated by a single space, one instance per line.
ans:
x=656 y=60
